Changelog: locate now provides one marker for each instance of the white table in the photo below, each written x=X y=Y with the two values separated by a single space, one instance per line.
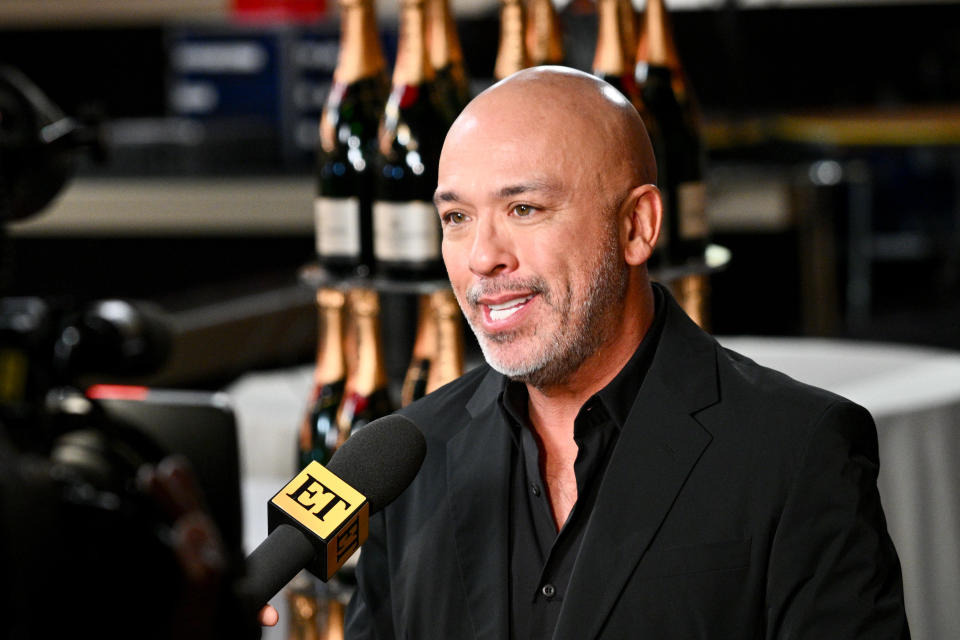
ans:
x=269 y=406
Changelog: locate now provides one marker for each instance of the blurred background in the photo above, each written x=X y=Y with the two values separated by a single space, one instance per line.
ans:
x=210 y=112
x=820 y=117
x=832 y=136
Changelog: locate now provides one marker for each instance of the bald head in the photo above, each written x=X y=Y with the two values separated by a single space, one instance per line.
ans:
x=549 y=215
x=578 y=116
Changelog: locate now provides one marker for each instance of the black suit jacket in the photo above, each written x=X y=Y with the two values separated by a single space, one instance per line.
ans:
x=738 y=503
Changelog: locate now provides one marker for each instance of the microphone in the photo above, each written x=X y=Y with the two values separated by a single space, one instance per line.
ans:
x=320 y=518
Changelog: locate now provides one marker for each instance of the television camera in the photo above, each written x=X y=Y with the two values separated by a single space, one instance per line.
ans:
x=85 y=544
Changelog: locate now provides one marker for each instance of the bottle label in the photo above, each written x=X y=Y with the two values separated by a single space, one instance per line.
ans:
x=405 y=231
x=692 y=209
x=337 y=224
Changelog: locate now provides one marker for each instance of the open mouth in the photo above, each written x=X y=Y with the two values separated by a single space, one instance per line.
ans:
x=499 y=313
x=506 y=309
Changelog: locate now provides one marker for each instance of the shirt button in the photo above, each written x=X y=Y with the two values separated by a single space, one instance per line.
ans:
x=535 y=489
x=548 y=590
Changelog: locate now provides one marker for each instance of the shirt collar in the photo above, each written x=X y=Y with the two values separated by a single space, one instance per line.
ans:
x=618 y=396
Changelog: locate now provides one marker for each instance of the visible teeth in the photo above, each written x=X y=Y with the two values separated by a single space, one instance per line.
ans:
x=500 y=315
x=509 y=303
x=506 y=309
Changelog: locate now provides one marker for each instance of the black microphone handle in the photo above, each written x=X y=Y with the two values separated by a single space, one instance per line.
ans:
x=379 y=461
x=275 y=562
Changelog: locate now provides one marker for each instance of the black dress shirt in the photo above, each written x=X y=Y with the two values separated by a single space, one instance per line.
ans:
x=541 y=558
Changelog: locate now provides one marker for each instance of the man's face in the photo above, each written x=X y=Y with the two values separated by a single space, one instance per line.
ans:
x=531 y=246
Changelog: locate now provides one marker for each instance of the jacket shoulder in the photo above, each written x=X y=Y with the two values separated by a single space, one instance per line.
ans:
x=440 y=413
x=774 y=412
x=739 y=374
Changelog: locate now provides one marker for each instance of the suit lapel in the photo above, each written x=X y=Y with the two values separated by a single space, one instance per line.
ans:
x=656 y=451
x=478 y=470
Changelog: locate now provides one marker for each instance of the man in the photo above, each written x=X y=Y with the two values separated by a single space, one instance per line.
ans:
x=612 y=472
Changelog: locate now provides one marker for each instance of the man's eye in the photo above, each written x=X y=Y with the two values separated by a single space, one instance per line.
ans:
x=523 y=210
x=454 y=218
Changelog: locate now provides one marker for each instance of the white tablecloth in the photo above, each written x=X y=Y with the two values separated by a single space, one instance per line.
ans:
x=269 y=406
x=913 y=394
x=256 y=492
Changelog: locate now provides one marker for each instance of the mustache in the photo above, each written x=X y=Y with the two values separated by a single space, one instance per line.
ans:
x=498 y=286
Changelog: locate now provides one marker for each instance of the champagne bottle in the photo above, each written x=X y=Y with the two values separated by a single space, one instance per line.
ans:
x=446 y=58
x=366 y=396
x=613 y=62
x=334 y=627
x=348 y=126
x=628 y=28
x=512 y=49
x=544 y=39
x=667 y=94
x=303 y=604
x=406 y=227
x=318 y=431
x=424 y=349
x=447 y=364
x=678 y=75
x=693 y=293
x=613 y=59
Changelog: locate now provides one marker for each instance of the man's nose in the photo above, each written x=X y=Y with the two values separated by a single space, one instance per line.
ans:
x=492 y=250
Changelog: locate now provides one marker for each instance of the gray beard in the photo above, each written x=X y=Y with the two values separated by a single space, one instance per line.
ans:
x=586 y=331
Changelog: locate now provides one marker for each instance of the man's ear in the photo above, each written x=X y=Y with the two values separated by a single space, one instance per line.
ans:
x=641 y=223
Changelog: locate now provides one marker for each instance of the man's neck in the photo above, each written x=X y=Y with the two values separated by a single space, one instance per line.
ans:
x=556 y=407
x=553 y=408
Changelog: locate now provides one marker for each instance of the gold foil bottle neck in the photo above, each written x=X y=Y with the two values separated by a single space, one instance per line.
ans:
x=447 y=365
x=512 y=49
x=628 y=31
x=694 y=295
x=657 y=47
x=609 y=57
x=655 y=39
x=303 y=607
x=413 y=63
x=361 y=55
x=370 y=372
x=364 y=302
x=424 y=351
x=544 y=39
x=443 y=43
x=334 y=627
x=425 y=343
x=330 y=298
x=331 y=363
x=444 y=304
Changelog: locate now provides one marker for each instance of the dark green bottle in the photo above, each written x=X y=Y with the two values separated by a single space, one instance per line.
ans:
x=406 y=227
x=670 y=100
x=451 y=83
x=319 y=436
x=367 y=394
x=346 y=150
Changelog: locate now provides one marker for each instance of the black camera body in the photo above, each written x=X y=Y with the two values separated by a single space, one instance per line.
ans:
x=84 y=549
x=82 y=546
